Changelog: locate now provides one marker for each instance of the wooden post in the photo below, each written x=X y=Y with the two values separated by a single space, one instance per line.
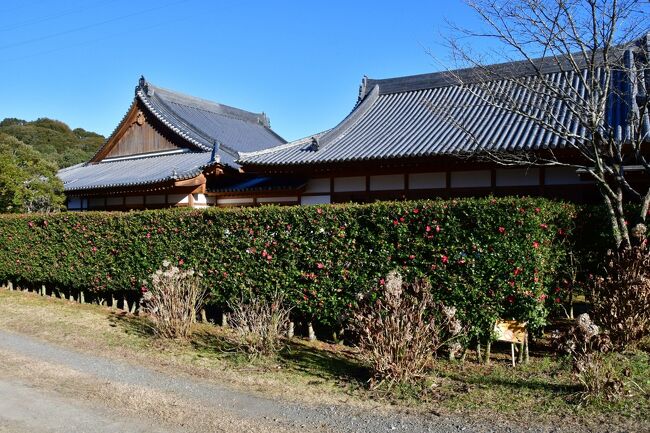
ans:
x=310 y=331
x=526 y=355
x=290 y=331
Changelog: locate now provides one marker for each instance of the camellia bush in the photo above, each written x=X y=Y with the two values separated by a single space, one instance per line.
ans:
x=489 y=258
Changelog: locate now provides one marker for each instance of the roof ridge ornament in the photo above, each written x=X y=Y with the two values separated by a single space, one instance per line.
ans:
x=363 y=88
x=142 y=85
x=215 y=157
x=315 y=144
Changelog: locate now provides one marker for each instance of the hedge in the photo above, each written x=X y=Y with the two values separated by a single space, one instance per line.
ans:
x=489 y=257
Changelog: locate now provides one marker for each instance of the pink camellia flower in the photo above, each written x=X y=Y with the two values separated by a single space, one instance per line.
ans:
x=502 y=230
x=382 y=282
x=543 y=226
x=437 y=229
x=148 y=235
x=537 y=210
x=428 y=229
x=319 y=211
x=412 y=256
x=560 y=232
x=401 y=219
x=542 y=297
x=416 y=211
x=558 y=300
x=45 y=223
x=269 y=257
x=30 y=224
x=445 y=259
x=94 y=249
x=264 y=253
x=320 y=265
x=181 y=262
x=517 y=271
x=535 y=244
x=395 y=222
x=512 y=283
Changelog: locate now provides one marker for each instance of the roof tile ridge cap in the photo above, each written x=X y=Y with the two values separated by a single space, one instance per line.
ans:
x=254 y=120
x=160 y=116
x=352 y=119
x=283 y=146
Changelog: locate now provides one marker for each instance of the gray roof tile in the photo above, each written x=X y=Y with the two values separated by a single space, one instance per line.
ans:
x=411 y=117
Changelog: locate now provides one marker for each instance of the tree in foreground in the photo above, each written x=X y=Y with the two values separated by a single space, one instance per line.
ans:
x=579 y=73
x=28 y=182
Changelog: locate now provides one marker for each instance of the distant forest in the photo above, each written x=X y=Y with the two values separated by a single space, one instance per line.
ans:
x=54 y=139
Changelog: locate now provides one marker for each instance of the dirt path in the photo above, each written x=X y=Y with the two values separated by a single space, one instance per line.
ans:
x=44 y=387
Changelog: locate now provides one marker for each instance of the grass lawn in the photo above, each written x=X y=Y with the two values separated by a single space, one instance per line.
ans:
x=322 y=373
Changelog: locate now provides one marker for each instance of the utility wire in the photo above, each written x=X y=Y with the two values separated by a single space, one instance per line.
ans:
x=89 y=26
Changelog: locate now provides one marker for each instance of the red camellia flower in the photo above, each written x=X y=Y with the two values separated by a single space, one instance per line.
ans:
x=416 y=211
x=382 y=282
x=401 y=219
x=502 y=230
x=535 y=244
x=411 y=256
x=511 y=299
x=517 y=271
x=543 y=226
x=437 y=229
x=558 y=300
x=395 y=222
x=537 y=210
x=445 y=259
x=264 y=253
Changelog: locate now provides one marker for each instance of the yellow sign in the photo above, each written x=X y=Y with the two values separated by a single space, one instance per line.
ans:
x=510 y=331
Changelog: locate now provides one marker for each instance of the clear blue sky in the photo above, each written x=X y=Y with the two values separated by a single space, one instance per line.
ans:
x=299 y=61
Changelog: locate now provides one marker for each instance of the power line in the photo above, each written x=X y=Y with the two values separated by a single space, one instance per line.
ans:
x=89 y=26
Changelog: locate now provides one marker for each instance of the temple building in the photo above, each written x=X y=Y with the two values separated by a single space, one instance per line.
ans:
x=400 y=141
x=164 y=153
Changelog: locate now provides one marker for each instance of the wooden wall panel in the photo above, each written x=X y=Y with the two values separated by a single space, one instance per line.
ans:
x=139 y=139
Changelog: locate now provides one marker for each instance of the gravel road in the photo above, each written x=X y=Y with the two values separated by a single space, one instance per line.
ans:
x=47 y=388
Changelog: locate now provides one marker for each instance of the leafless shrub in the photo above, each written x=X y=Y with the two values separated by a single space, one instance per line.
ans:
x=172 y=301
x=260 y=323
x=401 y=330
x=621 y=300
x=586 y=345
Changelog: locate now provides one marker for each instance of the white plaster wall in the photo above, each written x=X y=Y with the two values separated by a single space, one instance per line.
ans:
x=471 y=179
x=562 y=176
x=178 y=198
x=235 y=201
x=318 y=185
x=344 y=184
x=277 y=199
x=387 y=182
x=427 y=180
x=114 y=201
x=134 y=200
x=315 y=199
x=517 y=177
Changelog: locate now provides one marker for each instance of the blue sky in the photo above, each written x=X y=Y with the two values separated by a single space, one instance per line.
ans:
x=300 y=62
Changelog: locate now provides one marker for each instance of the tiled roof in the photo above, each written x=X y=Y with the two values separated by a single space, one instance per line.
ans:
x=139 y=171
x=433 y=114
x=203 y=123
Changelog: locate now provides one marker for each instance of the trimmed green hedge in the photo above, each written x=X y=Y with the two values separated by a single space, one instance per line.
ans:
x=491 y=257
